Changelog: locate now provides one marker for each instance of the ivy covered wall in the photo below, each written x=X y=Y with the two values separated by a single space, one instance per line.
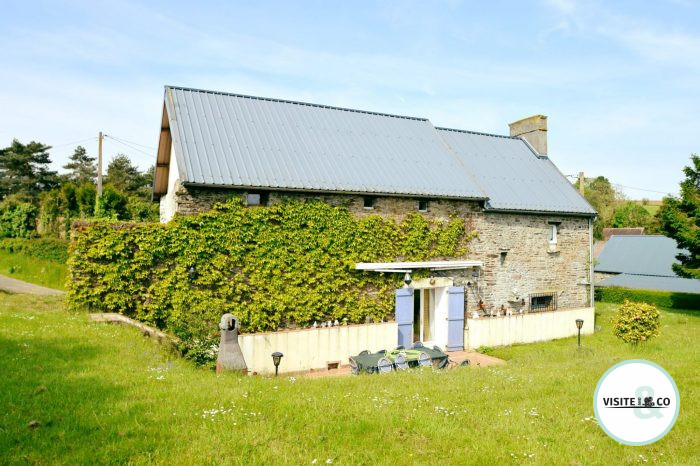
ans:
x=281 y=266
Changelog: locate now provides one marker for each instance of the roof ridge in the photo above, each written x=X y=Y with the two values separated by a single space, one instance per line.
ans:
x=649 y=275
x=640 y=236
x=296 y=102
x=480 y=133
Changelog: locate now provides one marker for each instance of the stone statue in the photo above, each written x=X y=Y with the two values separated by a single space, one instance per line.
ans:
x=230 y=354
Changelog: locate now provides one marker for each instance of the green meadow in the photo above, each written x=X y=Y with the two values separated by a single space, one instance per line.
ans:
x=77 y=392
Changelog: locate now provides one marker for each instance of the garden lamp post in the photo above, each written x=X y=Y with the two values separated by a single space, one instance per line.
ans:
x=276 y=358
x=579 y=324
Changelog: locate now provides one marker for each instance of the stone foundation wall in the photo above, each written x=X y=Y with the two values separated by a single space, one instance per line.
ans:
x=529 y=265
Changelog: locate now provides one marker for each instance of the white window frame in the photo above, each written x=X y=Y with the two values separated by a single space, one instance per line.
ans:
x=553 y=233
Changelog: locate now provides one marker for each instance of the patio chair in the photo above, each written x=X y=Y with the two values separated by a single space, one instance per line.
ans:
x=353 y=367
x=424 y=360
x=400 y=362
x=384 y=366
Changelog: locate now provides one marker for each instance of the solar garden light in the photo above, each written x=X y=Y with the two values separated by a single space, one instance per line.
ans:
x=276 y=358
x=579 y=324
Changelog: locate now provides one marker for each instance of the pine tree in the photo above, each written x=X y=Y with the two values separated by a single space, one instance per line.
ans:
x=680 y=220
x=124 y=176
x=24 y=170
x=81 y=166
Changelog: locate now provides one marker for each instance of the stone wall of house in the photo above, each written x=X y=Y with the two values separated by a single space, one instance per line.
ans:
x=514 y=247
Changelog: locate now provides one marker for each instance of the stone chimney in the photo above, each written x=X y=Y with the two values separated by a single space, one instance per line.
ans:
x=534 y=130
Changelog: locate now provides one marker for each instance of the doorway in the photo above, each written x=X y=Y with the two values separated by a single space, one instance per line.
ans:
x=427 y=304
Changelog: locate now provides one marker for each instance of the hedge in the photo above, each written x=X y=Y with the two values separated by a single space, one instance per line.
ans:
x=17 y=220
x=51 y=249
x=274 y=267
x=666 y=299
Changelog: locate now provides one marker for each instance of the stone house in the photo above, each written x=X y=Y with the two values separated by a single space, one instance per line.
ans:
x=533 y=250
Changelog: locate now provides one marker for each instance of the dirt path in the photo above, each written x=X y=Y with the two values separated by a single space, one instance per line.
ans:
x=18 y=286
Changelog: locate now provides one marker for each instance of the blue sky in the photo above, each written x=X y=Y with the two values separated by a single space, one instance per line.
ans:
x=619 y=81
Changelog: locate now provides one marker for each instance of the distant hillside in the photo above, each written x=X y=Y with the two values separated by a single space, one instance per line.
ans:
x=652 y=206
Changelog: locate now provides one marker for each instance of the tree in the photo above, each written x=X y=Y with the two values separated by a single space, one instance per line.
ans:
x=112 y=204
x=24 y=169
x=82 y=167
x=86 y=199
x=680 y=220
x=124 y=176
x=630 y=215
x=601 y=194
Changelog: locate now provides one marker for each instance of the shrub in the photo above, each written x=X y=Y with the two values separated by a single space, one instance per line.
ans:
x=112 y=205
x=665 y=299
x=17 y=219
x=636 y=322
x=142 y=211
x=281 y=266
x=51 y=249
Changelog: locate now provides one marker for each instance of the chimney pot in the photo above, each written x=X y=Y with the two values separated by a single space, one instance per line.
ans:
x=534 y=130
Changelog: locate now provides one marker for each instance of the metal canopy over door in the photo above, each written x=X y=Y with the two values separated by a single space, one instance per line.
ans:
x=404 y=316
x=455 y=318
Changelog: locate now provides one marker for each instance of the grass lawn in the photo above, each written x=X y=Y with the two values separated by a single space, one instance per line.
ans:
x=103 y=393
x=32 y=269
x=652 y=209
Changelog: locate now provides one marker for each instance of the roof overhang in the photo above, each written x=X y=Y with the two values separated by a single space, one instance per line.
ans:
x=160 y=179
x=404 y=267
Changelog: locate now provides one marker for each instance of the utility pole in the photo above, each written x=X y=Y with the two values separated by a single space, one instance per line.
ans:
x=99 y=164
x=581 y=181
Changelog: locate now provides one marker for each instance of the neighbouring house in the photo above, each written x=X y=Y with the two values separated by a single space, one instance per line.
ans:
x=530 y=266
x=642 y=262
x=608 y=232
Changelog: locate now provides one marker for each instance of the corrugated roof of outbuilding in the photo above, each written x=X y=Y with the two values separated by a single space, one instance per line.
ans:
x=650 y=282
x=639 y=254
x=234 y=140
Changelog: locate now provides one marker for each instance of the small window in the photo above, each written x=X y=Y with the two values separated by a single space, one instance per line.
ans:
x=552 y=233
x=257 y=198
x=368 y=202
x=422 y=205
x=543 y=302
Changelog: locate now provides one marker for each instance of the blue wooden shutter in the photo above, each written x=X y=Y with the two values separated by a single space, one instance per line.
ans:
x=455 y=318
x=404 y=315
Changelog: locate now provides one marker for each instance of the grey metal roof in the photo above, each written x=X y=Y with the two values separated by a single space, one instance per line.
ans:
x=640 y=255
x=649 y=282
x=513 y=176
x=234 y=140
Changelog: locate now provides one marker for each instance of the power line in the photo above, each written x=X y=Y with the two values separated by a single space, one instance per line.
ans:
x=132 y=142
x=74 y=142
x=628 y=187
x=640 y=189
x=150 y=156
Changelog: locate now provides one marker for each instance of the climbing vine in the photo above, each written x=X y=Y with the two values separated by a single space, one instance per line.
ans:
x=282 y=266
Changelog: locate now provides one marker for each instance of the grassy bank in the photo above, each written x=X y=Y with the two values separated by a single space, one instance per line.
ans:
x=32 y=269
x=73 y=392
